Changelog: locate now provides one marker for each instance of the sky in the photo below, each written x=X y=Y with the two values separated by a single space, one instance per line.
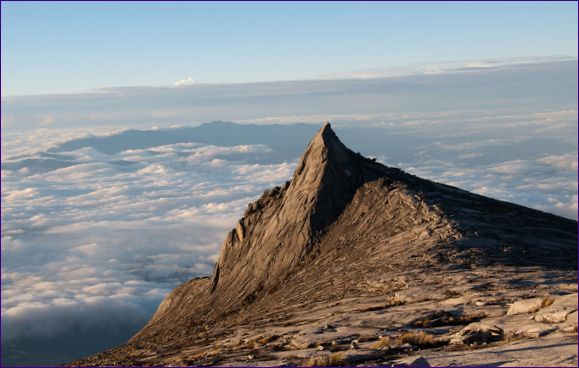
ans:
x=71 y=47
x=134 y=135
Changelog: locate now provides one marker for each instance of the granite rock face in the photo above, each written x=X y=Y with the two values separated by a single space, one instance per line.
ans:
x=279 y=230
x=366 y=249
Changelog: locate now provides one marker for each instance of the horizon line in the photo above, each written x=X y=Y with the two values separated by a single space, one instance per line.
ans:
x=358 y=74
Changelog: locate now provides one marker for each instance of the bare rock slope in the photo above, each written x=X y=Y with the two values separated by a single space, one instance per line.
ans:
x=352 y=262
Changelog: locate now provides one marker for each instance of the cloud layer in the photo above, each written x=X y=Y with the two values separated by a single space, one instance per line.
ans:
x=453 y=87
x=105 y=238
x=107 y=205
x=97 y=230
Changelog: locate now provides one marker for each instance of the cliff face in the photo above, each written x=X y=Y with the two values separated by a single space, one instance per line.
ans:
x=345 y=230
x=280 y=229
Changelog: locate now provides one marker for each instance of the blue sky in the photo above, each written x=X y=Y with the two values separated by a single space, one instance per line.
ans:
x=70 y=47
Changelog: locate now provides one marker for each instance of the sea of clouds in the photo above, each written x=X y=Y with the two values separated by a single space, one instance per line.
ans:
x=100 y=221
x=97 y=243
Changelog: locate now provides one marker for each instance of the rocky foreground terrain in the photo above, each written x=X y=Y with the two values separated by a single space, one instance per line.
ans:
x=355 y=263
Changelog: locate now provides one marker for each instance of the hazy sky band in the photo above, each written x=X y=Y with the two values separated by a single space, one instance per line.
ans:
x=73 y=46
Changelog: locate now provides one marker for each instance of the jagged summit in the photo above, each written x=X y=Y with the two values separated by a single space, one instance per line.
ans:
x=326 y=146
x=279 y=229
x=347 y=231
x=325 y=149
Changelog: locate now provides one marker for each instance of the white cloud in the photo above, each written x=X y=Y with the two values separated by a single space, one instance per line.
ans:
x=157 y=169
x=185 y=82
x=442 y=67
x=520 y=84
x=565 y=162
x=90 y=250
x=21 y=194
x=124 y=235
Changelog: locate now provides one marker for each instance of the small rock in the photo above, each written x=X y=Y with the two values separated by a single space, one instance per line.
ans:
x=570 y=324
x=240 y=231
x=526 y=306
x=299 y=344
x=559 y=310
x=569 y=329
x=252 y=207
x=478 y=333
x=552 y=316
x=535 y=331
x=364 y=358
x=412 y=361
x=325 y=328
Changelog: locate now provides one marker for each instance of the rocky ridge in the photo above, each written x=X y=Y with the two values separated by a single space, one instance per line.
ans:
x=353 y=262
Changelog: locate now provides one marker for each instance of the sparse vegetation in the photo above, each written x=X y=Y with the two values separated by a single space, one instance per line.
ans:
x=211 y=356
x=257 y=342
x=383 y=343
x=397 y=300
x=252 y=344
x=300 y=344
x=331 y=360
x=267 y=339
x=421 y=339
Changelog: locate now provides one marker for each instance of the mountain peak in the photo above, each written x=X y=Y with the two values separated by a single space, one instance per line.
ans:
x=327 y=139
x=326 y=132
x=348 y=237
x=326 y=126
x=280 y=229
x=324 y=149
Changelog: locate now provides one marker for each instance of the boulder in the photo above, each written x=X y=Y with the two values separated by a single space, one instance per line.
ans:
x=362 y=358
x=411 y=361
x=240 y=230
x=526 y=306
x=570 y=324
x=478 y=333
x=559 y=310
x=535 y=331
x=299 y=343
